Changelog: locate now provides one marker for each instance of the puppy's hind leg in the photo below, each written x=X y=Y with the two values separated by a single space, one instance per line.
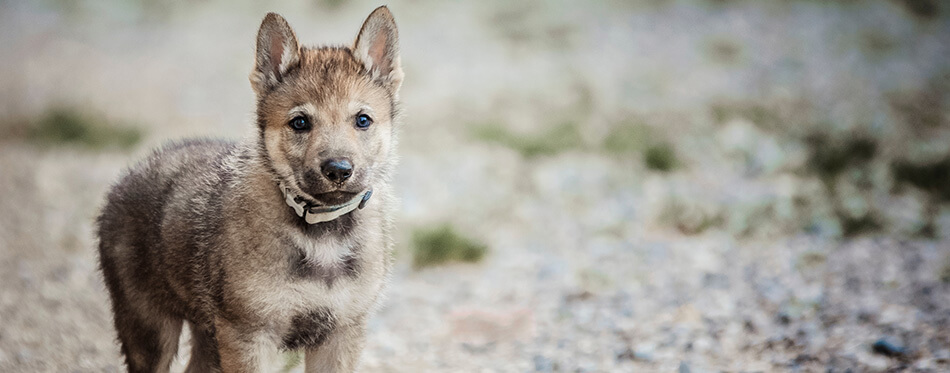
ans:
x=149 y=344
x=148 y=337
x=204 y=351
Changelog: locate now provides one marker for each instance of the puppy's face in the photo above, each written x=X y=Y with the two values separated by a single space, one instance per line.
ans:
x=326 y=115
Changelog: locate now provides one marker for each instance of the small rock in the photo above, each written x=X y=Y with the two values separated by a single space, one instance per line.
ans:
x=750 y=327
x=684 y=368
x=482 y=326
x=924 y=365
x=626 y=354
x=644 y=353
x=24 y=356
x=873 y=362
x=543 y=364
x=888 y=348
x=942 y=356
x=715 y=281
x=784 y=318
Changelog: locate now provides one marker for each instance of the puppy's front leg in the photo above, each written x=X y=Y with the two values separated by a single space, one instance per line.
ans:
x=340 y=352
x=244 y=351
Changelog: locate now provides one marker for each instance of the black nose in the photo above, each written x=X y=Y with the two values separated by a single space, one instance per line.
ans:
x=337 y=170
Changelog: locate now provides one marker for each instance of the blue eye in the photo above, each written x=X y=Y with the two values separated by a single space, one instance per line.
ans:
x=363 y=121
x=299 y=124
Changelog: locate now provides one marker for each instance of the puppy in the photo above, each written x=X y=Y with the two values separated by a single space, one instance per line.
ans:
x=282 y=242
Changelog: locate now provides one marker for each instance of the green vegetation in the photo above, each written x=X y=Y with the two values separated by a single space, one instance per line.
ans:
x=847 y=160
x=760 y=115
x=829 y=157
x=660 y=157
x=922 y=9
x=64 y=126
x=811 y=259
x=555 y=140
x=623 y=139
x=331 y=4
x=442 y=245
x=627 y=137
x=922 y=110
x=724 y=51
x=876 y=43
x=854 y=226
x=691 y=218
x=933 y=177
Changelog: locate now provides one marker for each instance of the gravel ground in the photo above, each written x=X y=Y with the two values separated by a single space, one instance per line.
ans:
x=753 y=252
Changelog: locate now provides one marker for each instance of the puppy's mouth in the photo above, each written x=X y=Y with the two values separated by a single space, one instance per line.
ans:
x=334 y=198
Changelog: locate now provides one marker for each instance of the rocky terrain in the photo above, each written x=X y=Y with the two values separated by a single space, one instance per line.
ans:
x=691 y=186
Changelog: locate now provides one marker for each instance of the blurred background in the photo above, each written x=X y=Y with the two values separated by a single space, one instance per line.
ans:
x=615 y=186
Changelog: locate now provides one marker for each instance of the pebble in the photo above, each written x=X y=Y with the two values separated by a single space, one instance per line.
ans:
x=942 y=356
x=543 y=364
x=684 y=368
x=24 y=356
x=886 y=347
x=644 y=353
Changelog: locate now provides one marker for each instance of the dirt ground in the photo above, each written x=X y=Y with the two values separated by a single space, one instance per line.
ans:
x=689 y=186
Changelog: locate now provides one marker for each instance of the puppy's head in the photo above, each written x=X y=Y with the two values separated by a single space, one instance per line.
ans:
x=326 y=115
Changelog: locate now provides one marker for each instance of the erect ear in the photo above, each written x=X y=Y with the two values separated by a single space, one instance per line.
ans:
x=377 y=46
x=277 y=52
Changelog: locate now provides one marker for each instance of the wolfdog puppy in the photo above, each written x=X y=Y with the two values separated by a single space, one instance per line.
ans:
x=274 y=243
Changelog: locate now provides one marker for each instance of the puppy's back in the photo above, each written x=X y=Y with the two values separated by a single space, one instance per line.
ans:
x=172 y=188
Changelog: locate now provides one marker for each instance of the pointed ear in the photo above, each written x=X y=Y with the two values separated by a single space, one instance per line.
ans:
x=377 y=47
x=277 y=53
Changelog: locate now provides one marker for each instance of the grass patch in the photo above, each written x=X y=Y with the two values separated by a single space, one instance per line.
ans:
x=724 y=51
x=63 y=126
x=627 y=138
x=760 y=115
x=921 y=110
x=443 y=245
x=922 y=9
x=522 y=24
x=690 y=218
x=811 y=259
x=927 y=230
x=933 y=178
x=877 y=43
x=855 y=226
x=557 y=139
x=331 y=4
x=829 y=157
x=660 y=157
x=846 y=160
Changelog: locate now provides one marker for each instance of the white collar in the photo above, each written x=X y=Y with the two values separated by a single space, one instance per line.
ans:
x=314 y=214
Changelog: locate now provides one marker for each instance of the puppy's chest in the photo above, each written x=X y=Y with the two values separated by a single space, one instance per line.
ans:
x=324 y=264
x=334 y=273
x=307 y=287
x=303 y=268
x=324 y=289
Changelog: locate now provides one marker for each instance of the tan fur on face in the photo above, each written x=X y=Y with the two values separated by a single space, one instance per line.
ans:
x=331 y=87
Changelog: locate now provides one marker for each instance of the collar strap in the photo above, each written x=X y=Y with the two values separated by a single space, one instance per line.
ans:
x=314 y=214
